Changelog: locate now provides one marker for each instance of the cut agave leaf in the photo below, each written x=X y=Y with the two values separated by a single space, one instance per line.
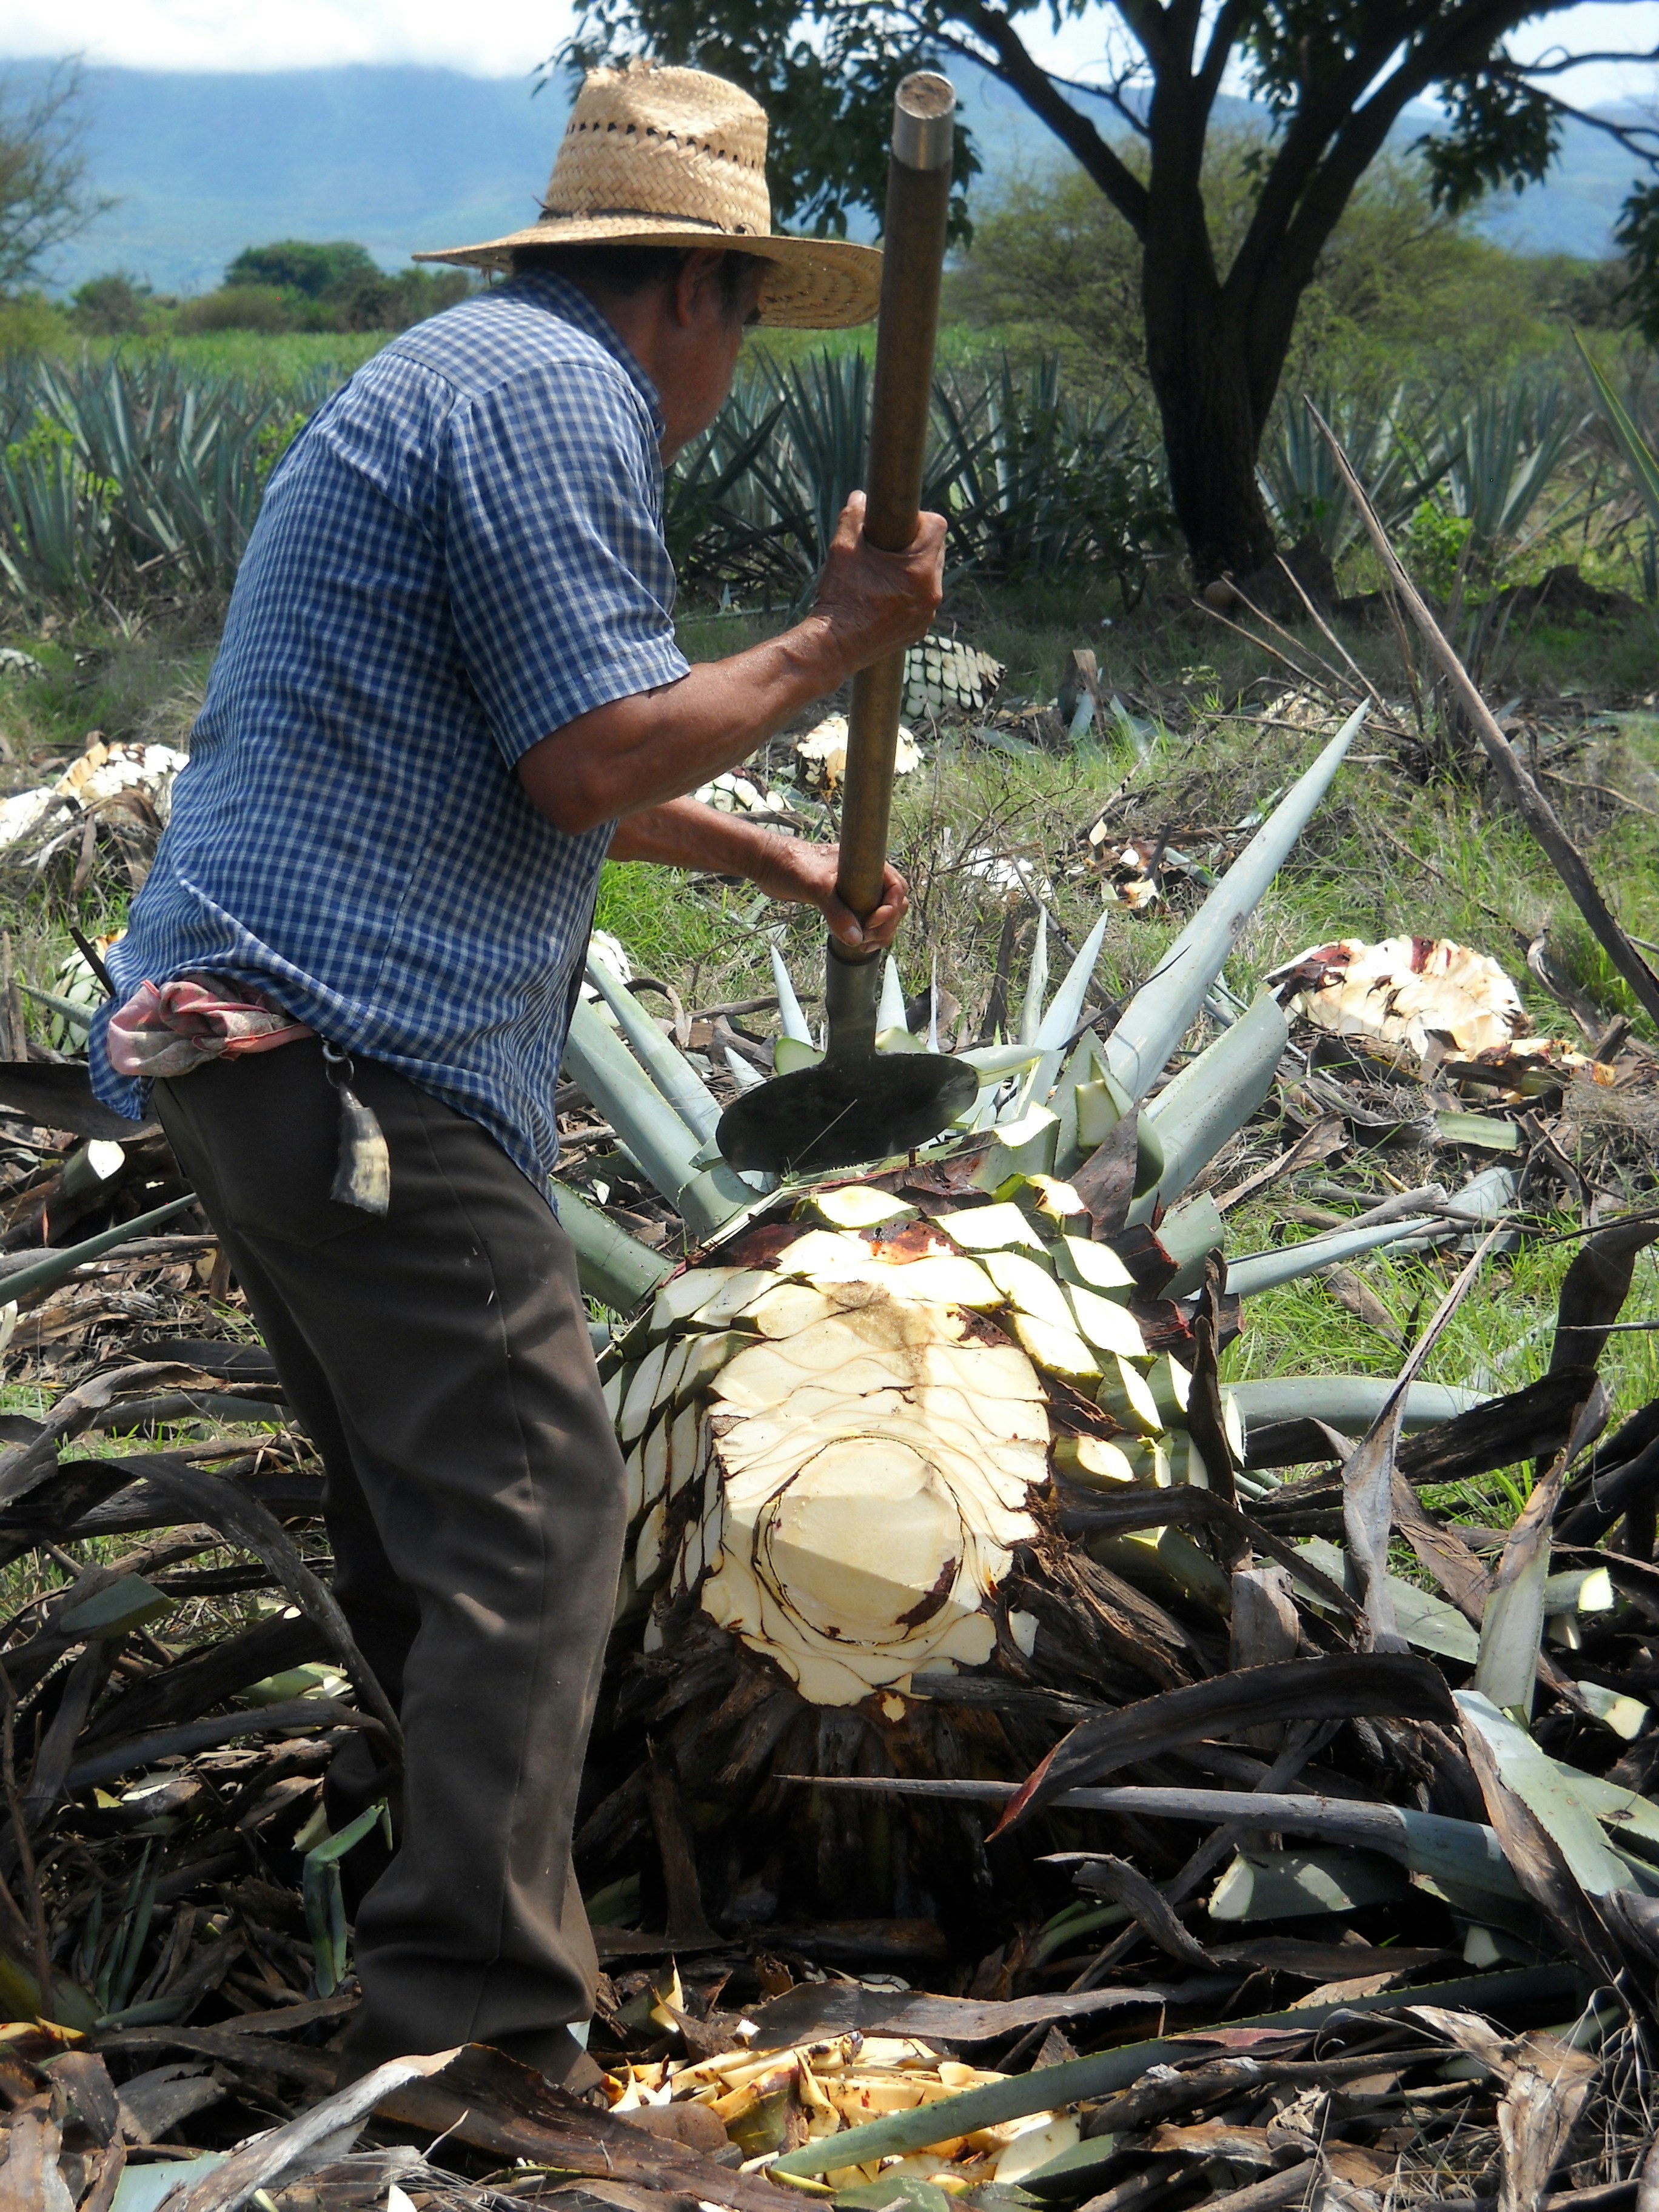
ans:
x=990 y=1228
x=647 y=1550
x=856 y=1205
x=1096 y=1266
x=704 y=1359
x=1551 y=1793
x=1029 y=1285
x=1296 y=1885
x=790 y=1055
x=1426 y=1622
x=1126 y=1394
x=1171 y=1384
x=641 y=1401
x=1168 y=1556
x=682 y=1296
x=1058 y=1351
x=1036 y=984
x=793 y=1021
x=1020 y=1148
x=1626 y=1717
x=1162 y=1012
x=1092 y=1463
x=1106 y=1323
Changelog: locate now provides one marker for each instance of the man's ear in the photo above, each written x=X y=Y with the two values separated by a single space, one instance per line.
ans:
x=698 y=280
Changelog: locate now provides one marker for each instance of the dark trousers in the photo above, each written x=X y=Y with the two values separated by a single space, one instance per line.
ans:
x=439 y=1359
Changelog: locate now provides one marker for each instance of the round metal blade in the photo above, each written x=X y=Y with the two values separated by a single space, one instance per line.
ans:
x=846 y=1111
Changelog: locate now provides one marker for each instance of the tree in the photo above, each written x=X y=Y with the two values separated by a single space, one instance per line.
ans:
x=297 y=265
x=44 y=194
x=111 y=306
x=1334 y=77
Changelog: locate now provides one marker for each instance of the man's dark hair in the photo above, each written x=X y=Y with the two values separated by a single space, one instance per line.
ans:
x=621 y=271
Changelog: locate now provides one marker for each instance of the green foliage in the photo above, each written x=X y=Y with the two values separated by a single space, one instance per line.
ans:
x=44 y=194
x=1033 y=483
x=238 y=308
x=1401 y=292
x=296 y=285
x=113 y=305
x=296 y=265
x=116 y=470
x=1433 y=546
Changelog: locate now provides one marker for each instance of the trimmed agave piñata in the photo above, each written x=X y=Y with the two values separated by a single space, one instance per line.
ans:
x=844 y=1418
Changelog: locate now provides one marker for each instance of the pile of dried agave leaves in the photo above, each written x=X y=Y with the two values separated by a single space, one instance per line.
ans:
x=956 y=1580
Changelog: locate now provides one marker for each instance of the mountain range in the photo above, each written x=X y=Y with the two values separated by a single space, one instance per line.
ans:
x=201 y=165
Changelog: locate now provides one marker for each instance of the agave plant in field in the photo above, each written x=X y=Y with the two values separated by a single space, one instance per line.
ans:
x=844 y=1418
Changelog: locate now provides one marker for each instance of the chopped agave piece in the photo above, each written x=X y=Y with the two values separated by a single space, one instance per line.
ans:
x=1169 y=1556
x=1031 y=1288
x=1171 y=1385
x=684 y=1295
x=1092 y=1463
x=615 y=1384
x=856 y=1205
x=654 y=1462
x=1127 y=1395
x=1186 y=1463
x=704 y=1359
x=1058 y=1351
x=686 y=1446
x=672 y=1369
x=1096 y=1266
x=640 y=1396
x=1056 y=1201
x=1105 y=1323
x=1021 y=1148
x=648 y=1551
x=633 y=1468
x=733 y=1295
x=989 y=1229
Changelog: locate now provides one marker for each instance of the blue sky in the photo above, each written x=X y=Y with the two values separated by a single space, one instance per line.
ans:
x=507 y=38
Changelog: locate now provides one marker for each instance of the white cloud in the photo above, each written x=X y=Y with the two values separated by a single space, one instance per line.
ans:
x=510 y=37
x=507 y=39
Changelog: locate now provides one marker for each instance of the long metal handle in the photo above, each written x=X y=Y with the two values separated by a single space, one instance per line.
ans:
x=918 y=206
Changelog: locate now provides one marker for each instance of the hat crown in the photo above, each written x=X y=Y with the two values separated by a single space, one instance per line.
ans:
x=658 y=142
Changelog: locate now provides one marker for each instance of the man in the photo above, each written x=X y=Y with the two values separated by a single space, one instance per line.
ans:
x=448 y=687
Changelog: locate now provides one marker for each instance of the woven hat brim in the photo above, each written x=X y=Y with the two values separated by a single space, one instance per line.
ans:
x=814 y=283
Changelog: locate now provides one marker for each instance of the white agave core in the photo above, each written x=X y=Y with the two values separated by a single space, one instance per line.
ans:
x=873 y=1469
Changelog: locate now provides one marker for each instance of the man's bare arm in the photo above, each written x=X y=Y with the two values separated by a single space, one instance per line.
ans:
x=636 y=753
x=682 y=834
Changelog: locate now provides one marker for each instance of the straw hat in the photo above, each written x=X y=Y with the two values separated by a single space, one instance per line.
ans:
x=654 y=156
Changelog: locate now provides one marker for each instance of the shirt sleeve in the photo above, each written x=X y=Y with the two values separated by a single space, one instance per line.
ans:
x=560 y=582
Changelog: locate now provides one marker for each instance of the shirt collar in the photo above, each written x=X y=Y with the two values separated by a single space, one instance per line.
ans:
x=572 y=305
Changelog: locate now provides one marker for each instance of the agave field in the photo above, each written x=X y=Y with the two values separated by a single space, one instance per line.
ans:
x=1132 y=1677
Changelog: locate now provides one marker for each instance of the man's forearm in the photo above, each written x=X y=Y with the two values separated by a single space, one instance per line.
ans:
x=682 y=833
x=657 y=745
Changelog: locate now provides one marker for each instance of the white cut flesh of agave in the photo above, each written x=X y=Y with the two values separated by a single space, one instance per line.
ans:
x=1127 y=1395
x=1093 y=1463
x=1030 y=1288
x=634 y=1469
x=647 y=1550
x=705 y=1356
x=1096 y=1266
x=1186 y=1463
x=741 y=1284
x=1059 y=1351
x=673 y=1368
x=940 y=1279
x=856 y=1205
x=612 y=1392
x=683 y=1295
x=784 y=1309
x=655 y=1461
x=1056 y=1201
x=1171 y=1384
x=1019 y=1150
x=1106 y=1324
x=989 y=1228
x=640 y=1396
x=684 y=1449
x=868 y=1478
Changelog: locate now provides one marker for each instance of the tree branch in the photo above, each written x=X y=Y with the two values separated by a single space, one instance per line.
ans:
x=1016 y=67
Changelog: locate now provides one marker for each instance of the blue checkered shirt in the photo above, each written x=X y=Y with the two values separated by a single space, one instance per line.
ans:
x=462 y=553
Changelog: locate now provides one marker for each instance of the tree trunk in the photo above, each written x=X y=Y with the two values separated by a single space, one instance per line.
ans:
x=1199 y=364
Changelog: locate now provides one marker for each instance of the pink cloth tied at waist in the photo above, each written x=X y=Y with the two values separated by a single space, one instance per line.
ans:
x=166 y=1030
